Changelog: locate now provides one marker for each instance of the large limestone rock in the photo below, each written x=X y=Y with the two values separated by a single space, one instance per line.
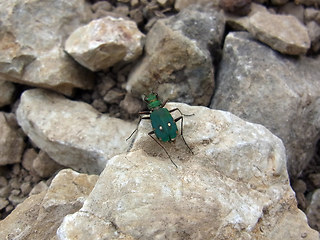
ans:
x=105 y=42
x=32 y=34
x=40 y=215
x=279 y=92
x=72 y=133
x=235 y=186
x=178 y=63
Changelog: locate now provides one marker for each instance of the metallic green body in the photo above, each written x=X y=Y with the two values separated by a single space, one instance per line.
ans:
x=164 y=126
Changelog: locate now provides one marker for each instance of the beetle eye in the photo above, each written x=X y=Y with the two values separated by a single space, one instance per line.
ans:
x=169 y=124
x=160 y=128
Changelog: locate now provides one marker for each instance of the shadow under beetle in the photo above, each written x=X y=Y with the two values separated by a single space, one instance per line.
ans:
x=163 y=124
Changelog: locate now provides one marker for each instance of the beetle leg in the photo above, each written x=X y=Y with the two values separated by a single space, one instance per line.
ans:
x=176 y=120
x=164 y=103
x=145 y=117
x=152 y=132
x=177 y=109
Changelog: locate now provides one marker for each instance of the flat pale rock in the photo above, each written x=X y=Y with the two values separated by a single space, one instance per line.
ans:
x=39 y=216
x=105 y=42
x=235 y=186
x=72 y=133
x=283 y=33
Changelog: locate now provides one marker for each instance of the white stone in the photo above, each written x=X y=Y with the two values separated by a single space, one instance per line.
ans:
x=40 y=215
x=105 y=42
x=72 y=133
x=235 y=186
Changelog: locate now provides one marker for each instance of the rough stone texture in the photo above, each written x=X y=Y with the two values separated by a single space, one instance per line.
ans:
x=311 y=14
x=11 y=142
x=283 y=33
x=237 y=7
x=293 y=9
x=178 y=63
x=71 y=133
x=44 y=166
x=28 y=158
x=242 y=23
x=57 y=71
x=308 y=2
x=279 y=92
x=314 y=33
x=6 y=92
x=235 y=186
x=31 y=40
x=313 y=212
x=38 y=188
x=40 y=215
x=182 y=4
x=104 y=42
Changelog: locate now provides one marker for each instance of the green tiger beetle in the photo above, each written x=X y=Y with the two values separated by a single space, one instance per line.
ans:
x=163 y=124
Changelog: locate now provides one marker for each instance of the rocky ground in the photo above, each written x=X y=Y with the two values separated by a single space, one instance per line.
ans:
x=90 y=63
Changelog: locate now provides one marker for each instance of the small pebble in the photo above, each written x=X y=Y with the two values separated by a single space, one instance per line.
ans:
x=299 y=186
x=25 y=188
x=28 y=157
x=38 y=188
x=3 y=203
x=3 y=181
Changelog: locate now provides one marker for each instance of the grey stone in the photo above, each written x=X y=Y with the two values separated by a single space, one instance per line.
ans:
x=178 y=62
x=45 y=166
x=182 y=4
x=313 y=211
x=3 y=181
x=5 y=191
x=235 y=186
x=105 y=42
x=312 y=14
x=3 y=203
x=25 y=188
x=131 y=105
x=7 y=90
x=15 y=199
x=28 y=157
x=11 y=142
x=315 y=179
x=114 y=96
x=279 y=92
x=72 y=133
x=33 y=32
x=293 y=9
x=242 y=23
x=38 y=188
x=283 y=33
x=314 y=34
